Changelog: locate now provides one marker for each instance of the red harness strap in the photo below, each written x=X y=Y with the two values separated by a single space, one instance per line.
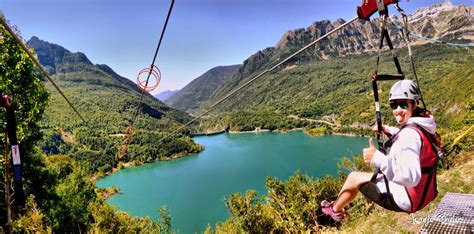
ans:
x=425 y=191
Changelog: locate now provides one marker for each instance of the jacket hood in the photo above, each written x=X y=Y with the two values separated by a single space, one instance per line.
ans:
x=427 y=123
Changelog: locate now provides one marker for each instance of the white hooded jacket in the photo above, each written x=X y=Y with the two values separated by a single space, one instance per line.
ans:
x=402 y=165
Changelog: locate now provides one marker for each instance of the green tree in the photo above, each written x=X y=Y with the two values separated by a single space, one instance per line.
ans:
x=19 y=79
x=75 y=192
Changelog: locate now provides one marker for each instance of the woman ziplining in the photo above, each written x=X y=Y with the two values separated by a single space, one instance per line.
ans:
x=407 y=181
x=405 y=178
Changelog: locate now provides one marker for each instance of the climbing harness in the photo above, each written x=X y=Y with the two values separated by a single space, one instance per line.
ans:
x=7 y=103
x=36 y=62
x=145 y=87
x=426 y=190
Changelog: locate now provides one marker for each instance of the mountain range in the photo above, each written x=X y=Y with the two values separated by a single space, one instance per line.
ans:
x=332 y=77
x=316 y=81
x=90 y=84
x=441 y=21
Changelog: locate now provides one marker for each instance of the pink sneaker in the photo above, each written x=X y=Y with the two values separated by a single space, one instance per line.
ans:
x=327 y=209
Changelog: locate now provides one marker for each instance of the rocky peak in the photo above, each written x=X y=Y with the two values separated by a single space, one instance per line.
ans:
x=432 y=11
x=444 y=22
x=441 y=21
x=53 y=56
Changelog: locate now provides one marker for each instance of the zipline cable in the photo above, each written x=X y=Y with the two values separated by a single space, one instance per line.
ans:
x=151 y=69
x=36 y=62
x=258 y=76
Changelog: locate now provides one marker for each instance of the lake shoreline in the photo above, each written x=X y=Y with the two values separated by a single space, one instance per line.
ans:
x=230 y=163
x=181 y=155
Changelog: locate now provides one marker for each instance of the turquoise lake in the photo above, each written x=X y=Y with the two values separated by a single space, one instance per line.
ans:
x=193 y=188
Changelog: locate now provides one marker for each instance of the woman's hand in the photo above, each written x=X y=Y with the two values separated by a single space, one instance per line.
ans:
x=384 y=130
x=369 y=152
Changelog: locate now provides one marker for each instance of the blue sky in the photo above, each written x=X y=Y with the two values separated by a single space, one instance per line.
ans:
x=201 y=34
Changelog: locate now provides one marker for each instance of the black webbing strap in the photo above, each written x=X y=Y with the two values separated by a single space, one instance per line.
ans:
x=390 y=45
x=381 y=7
x=426 y=170
x=383 y=77
x=7 y=103
x=390 y=77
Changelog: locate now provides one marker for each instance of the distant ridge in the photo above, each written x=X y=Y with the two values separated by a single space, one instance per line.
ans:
x=200 y=89
x=165 y=94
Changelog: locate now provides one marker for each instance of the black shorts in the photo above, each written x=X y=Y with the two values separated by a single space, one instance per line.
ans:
x=385 y=200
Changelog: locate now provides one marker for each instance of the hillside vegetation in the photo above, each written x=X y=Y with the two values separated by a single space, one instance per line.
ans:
x=109 y=103
x=339 y=89
x=200 y=89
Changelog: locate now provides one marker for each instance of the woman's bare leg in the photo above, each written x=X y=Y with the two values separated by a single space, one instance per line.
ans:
x=351 y=188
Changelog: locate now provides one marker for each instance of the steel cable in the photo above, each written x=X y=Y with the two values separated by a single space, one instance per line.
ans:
x=153 y=62
x=130 y=130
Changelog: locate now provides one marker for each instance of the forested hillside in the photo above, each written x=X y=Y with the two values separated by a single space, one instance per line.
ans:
x=340 y=88
x=59 y=153
x=108 y=102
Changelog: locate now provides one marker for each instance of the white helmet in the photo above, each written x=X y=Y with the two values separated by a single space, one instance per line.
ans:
x=404 y=89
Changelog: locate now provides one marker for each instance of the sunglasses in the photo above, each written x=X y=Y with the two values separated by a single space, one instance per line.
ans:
x=395 y=105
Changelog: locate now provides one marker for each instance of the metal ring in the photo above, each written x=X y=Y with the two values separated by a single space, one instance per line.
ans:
x=144 y=85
